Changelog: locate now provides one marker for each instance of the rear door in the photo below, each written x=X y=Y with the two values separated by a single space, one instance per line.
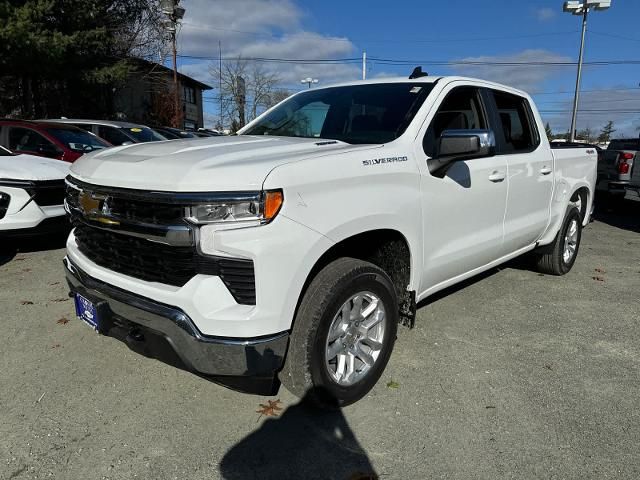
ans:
x=463 y=211
x=530 y=169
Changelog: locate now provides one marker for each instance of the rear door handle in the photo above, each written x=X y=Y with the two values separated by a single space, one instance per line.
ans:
x=497 y=176
x=545 y=170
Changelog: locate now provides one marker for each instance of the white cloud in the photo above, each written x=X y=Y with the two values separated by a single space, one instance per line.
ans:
x=610 y=101
x=525 y=77
x=261 y=28
x=545 y=14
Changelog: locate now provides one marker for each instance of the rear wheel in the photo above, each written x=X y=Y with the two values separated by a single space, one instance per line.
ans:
x=343 y=334
x=558 y=257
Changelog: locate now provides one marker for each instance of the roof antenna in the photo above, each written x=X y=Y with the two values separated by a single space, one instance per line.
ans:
x=417 y=73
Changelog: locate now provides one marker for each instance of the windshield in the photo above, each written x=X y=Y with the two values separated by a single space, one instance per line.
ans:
x=76 y=139
x=374 y=113
x=631 y=144
x=143 y=134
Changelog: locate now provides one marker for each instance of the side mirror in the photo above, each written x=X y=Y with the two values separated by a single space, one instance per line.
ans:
x=48 y=150
x=454 y=145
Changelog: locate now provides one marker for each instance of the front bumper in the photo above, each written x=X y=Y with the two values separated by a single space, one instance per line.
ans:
x=168 y=334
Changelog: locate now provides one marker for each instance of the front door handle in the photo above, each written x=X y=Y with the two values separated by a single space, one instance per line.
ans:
x=545 y=170
x=497 y=176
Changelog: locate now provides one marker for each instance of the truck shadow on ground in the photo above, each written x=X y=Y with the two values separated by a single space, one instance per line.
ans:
x=624 y=214
x=302 y=443
x=9 y=248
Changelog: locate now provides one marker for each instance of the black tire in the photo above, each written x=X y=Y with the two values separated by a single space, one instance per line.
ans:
x=304 y=373
x=550 y=258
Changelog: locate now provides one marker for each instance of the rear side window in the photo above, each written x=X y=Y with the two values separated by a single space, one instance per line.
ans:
x=516 y=123
x=460 y=110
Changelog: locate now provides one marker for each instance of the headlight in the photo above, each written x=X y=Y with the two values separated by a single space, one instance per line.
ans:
x=246 y=208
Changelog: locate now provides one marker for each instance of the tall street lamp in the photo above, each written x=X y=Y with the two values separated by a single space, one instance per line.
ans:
x=309 y=81
x=577 y=7
x=174 y=14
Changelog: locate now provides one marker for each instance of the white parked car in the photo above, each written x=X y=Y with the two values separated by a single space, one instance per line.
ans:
x=291 y=251
x=32 y=193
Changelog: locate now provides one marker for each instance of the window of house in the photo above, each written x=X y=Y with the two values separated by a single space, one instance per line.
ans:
x=189 y=94
x=460 y=110
x=516 y=122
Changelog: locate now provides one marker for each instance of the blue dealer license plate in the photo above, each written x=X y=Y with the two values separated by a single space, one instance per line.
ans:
x=86 y=311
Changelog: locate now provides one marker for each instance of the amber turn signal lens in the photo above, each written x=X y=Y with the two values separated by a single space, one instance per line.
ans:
x=272 y=204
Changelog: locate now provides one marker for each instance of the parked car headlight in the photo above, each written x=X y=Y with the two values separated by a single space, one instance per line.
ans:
x=246 y=208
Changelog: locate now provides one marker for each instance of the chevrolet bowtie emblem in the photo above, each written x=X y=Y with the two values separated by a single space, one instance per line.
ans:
x=95 y=207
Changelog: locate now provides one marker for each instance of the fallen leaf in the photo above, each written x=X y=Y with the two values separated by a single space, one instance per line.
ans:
x=26 y=302
x=54 y=283
x=490 y=406
x=393 y=384
x=63 y=321
x=57 y=345
x=600 y=270
x=548 y=367
x=271 y=409
x=19 y=259
x=58 y=300
x=598 y=279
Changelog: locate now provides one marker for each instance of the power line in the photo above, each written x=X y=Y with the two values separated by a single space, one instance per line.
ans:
x=375 y=40
x=591 y=90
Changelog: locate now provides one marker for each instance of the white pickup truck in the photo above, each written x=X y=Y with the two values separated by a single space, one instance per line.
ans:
x=290 y=252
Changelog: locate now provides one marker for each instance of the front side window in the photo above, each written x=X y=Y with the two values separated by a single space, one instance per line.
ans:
x=357 y=114
x=516 y=123
x=27 y=140
x=460 y=110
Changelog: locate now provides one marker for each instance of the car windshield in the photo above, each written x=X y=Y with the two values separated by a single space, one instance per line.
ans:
x=631 y=144
x=143 y=134
x=76 y=139
x=375 y=113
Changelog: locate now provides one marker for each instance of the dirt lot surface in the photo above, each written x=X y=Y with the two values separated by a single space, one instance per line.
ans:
x=513 y=375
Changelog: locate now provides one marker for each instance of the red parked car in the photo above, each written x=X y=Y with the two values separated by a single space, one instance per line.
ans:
x=46 y=139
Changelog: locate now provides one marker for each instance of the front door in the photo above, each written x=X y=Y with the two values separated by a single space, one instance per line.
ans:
x=463 y=211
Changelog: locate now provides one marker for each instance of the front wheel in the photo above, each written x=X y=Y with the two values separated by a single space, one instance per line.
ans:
x=558 y=257
x=343 y=334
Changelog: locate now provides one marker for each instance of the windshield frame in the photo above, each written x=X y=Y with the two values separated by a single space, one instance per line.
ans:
x=349 y=92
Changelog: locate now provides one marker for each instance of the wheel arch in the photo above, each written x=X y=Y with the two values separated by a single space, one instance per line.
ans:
x=387 y=248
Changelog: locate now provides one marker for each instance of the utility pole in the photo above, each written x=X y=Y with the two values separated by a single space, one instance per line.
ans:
x=220 y=80
x=174 y=14
x=577 y=7
x=364 y=65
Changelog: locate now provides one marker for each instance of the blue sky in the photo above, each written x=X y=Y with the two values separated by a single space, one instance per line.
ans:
x=453 y=30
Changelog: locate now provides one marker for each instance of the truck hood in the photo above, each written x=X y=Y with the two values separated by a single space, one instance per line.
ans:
x=31 y=167
x=209 y=164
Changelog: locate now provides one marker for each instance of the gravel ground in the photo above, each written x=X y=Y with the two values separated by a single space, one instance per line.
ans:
x=513 y=375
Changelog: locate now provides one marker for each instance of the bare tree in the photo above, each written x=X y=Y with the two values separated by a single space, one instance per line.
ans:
x=247 y=90
x=278 y=96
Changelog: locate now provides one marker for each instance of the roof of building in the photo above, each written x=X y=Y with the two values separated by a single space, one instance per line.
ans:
x=183 y=78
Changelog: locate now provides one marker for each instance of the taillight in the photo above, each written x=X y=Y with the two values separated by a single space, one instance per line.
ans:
x=623 y=168
x=625 y=156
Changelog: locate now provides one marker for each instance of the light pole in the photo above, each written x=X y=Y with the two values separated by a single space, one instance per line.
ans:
x=309 y=81
x=174 y=14
x=577 y=7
